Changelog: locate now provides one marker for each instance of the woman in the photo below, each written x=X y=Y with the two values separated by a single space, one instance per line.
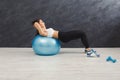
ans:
x=63 y=36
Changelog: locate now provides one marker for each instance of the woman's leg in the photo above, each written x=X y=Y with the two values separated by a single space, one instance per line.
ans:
x=77 y=34
x=73 y=35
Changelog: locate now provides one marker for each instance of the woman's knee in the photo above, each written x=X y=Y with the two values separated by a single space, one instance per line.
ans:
x=83 y=33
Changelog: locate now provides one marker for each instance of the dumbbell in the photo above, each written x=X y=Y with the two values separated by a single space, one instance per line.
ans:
x=109 y=58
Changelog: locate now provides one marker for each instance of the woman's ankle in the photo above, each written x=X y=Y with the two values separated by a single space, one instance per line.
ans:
x=88 y=49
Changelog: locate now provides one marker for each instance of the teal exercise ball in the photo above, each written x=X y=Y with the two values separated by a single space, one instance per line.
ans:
x=45 y=46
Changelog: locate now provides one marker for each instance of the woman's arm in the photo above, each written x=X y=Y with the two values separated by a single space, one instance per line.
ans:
x=40 y=30
x=42 y=24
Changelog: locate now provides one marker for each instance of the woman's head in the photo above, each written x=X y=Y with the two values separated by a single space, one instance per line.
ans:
x=33 y=23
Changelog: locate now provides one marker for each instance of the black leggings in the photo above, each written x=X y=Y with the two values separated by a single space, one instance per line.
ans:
x=73 y=35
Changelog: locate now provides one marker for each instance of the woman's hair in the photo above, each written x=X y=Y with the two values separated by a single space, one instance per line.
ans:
x=37 y=20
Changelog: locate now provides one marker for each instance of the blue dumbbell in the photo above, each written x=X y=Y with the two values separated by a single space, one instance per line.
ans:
x=109 y=58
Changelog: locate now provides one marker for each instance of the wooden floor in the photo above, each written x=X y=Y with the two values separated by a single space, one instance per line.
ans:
x=69 y=64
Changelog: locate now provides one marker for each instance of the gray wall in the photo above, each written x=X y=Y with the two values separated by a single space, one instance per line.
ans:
x=99 y=18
